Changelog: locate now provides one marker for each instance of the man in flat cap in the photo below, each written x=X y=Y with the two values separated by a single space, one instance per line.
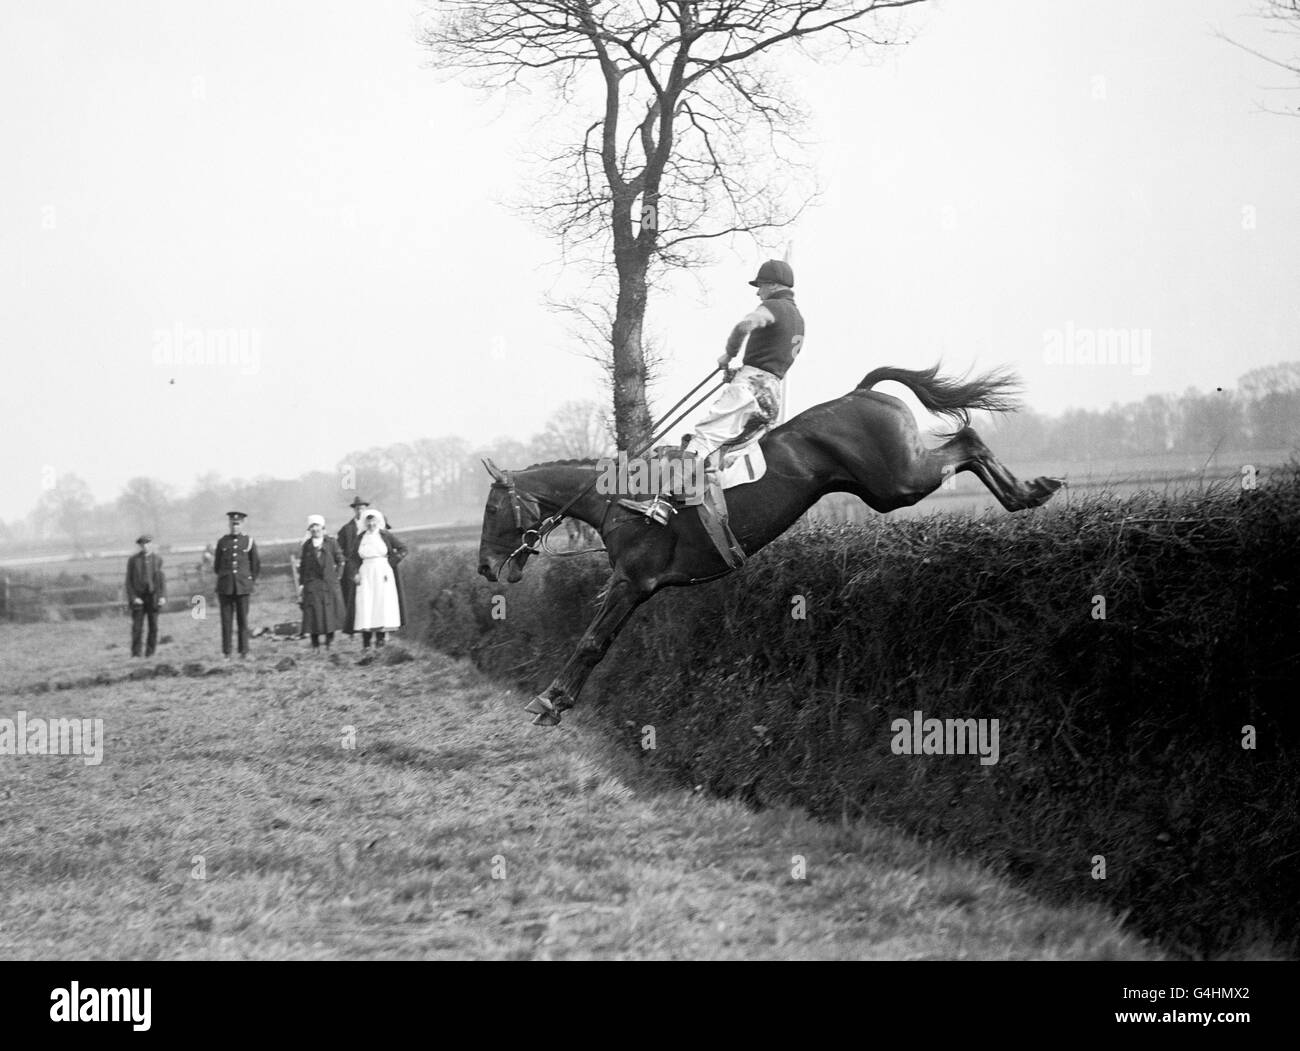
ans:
x=347 y=541
x=146 y=591
x=237 y=565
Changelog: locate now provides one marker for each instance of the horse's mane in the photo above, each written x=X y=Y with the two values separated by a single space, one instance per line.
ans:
x=589 y=462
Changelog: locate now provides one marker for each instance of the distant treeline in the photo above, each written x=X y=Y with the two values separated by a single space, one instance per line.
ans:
x=1262 y=413
x=441 y=480
x=432 y=480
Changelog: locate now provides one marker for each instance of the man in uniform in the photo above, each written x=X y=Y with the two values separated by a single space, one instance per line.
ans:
x=237 y=566
x=146 y=589
x=347 y=540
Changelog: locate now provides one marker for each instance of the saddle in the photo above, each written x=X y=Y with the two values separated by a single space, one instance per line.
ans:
x=742 y=463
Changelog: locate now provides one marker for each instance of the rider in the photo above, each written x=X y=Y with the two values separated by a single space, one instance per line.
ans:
x=752 y=397
x=751 y=400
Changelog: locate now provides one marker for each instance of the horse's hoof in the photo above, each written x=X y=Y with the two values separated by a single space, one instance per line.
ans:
x=1045 y=488
x=539 y=706
x=547 y=719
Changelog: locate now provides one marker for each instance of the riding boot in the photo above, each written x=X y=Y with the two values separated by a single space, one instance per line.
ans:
x=698 y=473
x=715 y=518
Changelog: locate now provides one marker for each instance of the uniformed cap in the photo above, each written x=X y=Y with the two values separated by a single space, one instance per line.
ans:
x=358 y=502
x=144 y=538
x=775 y=272
x=236 y=516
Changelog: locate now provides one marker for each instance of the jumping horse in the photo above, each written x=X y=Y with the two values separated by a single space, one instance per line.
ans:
x=865 y=443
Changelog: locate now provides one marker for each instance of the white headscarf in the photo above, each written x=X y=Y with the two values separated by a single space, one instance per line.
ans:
x=370 y=513
x=311 y=521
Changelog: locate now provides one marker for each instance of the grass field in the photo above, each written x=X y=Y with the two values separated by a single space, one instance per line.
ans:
x=391 y=849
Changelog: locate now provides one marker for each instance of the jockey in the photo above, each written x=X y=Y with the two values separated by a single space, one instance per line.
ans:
x=751 y=401
x=752 y=398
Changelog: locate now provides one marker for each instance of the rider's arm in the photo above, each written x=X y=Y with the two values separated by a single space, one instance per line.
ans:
x=754 y=319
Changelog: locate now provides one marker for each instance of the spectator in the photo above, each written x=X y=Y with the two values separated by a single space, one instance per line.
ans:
x=237 y=565
x=319 y=564
x=146 y=591
x=347 y=541
x=378 y=604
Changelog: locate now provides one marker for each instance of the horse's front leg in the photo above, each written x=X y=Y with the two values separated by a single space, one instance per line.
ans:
x=620 y=600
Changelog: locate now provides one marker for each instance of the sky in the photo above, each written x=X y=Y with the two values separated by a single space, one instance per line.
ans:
x=294 y=188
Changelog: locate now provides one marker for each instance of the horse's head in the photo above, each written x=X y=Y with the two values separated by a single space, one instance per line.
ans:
x=510 y=522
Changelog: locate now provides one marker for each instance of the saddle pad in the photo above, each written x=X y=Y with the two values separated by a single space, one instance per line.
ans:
x=741 y=468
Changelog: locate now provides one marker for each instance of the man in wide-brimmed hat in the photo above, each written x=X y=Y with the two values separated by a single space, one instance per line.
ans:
x=146 y=591
x=347 y=538
x=237 y=565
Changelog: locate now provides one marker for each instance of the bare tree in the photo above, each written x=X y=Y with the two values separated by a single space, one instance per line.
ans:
x=1273 y=405
x=579 y=429
x=440 y=462
x=1283 y=17
x=67 y=506
x=143 y=502
x=683 y=134
x=208 y=502
x=374 y=478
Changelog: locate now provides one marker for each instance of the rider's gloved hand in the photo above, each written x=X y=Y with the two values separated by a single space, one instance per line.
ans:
x=724 y=361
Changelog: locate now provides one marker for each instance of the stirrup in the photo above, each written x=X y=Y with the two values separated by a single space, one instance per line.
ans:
x=659 y=509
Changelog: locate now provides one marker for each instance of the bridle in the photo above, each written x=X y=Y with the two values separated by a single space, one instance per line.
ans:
x=530 y=535
x=534 y=537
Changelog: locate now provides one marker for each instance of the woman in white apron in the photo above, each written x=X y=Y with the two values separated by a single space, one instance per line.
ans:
x=378 y=600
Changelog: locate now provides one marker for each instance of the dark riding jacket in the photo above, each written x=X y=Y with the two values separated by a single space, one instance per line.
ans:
x=774 y=347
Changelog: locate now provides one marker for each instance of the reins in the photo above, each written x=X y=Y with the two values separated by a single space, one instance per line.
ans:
x=544 y=528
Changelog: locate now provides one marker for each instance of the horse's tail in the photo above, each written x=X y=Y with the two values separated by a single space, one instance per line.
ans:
x=993 y=392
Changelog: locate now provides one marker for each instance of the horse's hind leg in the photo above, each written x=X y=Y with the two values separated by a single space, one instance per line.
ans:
x=966 y=451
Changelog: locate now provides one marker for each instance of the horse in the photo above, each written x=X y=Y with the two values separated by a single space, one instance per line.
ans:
x=865 y=443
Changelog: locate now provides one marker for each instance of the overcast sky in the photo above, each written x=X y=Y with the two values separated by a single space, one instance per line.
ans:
x=1020 y=176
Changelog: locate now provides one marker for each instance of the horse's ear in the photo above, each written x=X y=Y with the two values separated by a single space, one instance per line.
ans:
x=494 y=471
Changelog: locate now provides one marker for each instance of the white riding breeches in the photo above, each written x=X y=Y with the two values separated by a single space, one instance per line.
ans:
x=750 y=402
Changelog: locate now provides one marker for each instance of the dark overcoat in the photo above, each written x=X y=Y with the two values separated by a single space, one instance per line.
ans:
x=347 y=540
x=323 y=608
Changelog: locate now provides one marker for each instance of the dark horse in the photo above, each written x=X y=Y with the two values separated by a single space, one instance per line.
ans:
x=864 y=443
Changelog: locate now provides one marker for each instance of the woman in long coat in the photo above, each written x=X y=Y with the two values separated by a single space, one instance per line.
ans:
x=378 y=605
x=320 y=563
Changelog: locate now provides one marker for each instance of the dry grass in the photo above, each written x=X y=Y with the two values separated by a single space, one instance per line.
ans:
x=315 y=851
